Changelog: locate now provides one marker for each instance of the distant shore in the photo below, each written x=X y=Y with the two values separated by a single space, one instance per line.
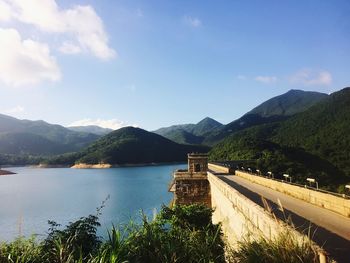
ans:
x=90 y=166
x=5 y=172
x=107 y=166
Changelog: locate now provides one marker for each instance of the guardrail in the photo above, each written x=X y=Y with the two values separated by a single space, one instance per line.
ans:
x=345 y=196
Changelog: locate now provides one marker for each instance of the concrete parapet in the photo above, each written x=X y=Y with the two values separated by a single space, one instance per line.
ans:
x=327 y=201
x=220 y=168
x=241 y=218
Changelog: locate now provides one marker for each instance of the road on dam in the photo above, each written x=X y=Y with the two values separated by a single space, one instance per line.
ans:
x=329 y=230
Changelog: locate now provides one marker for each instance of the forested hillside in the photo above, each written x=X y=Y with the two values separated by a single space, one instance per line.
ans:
x=312 y=143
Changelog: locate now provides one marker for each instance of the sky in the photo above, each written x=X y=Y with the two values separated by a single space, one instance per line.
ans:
x=157 y=63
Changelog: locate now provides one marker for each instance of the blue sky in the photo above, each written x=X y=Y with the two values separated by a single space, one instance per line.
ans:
x=158 y=63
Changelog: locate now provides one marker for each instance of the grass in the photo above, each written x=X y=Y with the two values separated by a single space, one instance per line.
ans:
x=285 y=247
x=181 y=234
x=173 y=236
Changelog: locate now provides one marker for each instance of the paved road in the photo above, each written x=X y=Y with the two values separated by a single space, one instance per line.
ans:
x=329 y=230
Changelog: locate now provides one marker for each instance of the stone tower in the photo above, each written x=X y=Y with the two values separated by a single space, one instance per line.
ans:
x=192 y=186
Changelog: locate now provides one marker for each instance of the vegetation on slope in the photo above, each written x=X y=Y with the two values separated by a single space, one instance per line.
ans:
x=15 y=159
x=273 y=110
x=324 y=130
x=131 y=145
x=288 y=104
x=310 y=144
x=190 y=133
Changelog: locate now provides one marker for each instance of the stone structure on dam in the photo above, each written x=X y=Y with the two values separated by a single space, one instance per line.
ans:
x=252 y=204
x=191 y=186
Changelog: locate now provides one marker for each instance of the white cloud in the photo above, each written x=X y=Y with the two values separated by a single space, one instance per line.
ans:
x=69 y=48
x=311 y=77
x=113 y=124
x=266 y=79
x=80 y=23
x=5 y=11
x=25 y=61
x=192 y=21
x=14 y=110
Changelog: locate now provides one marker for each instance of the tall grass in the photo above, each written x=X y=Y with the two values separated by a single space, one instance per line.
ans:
x=182 y=234
x=173 y=236
x=285 y=247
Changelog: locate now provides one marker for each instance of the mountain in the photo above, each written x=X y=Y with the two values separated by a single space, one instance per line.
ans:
x=131 y=145
x=312 y=143
x=39 y=137
x=278 y=108
x=183 y=137
x=205 y=126
x=28 y=143
x=91 y=129
x=290 y=103
x=190 y=133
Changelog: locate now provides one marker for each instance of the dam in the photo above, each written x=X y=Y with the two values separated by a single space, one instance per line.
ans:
x=248 y=203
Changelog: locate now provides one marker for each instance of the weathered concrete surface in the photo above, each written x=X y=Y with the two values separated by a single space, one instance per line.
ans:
x=336 y=204
x=242 y=217
x=322 y=217
x=305 y=217
x=239 y=215
x=218 y=168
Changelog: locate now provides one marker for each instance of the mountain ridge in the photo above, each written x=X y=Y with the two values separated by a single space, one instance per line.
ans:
x=312 y=143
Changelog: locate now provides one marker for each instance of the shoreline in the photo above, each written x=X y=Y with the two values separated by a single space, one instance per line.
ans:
x=5 y=172
x=108 y=166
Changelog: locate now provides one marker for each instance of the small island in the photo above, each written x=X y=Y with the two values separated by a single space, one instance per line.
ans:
x=5 y=172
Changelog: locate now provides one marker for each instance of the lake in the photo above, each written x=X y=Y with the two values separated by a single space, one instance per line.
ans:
x=33 y=196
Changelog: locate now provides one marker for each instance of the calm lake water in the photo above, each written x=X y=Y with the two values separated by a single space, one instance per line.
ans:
x=32 y=196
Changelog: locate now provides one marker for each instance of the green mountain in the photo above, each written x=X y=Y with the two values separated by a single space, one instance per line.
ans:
x=39 y=137
x=190 y=133
x=184 y=137
x=312 y=143
x=273 y=110
x=24 y=143
x=131 y=145
x=91 y=129
x=290 y=103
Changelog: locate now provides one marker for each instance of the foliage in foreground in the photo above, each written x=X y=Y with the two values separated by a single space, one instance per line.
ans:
x=286 y=247
x=182 y=234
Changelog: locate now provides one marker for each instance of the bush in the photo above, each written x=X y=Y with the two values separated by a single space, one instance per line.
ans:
x=183 y=234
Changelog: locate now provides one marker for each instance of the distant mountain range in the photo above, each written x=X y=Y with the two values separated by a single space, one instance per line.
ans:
x=209 y=131
x=39 y=137
x=91 y=129
x=190 y=133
